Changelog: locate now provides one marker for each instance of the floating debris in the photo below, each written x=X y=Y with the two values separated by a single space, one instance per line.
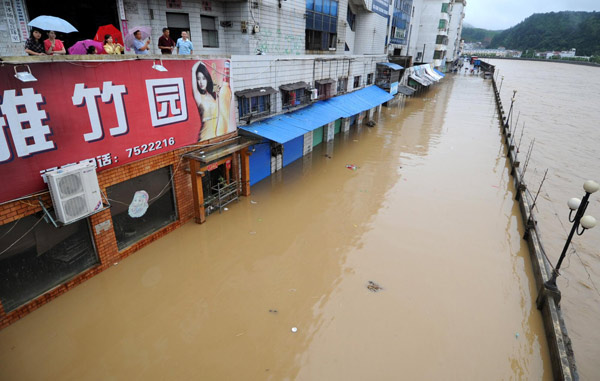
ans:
x=252 y=232
x=352 y=167
x=517 y=335
x=225 y=209
x=273 y=311
x=253 y=202
x=374 y=287
x=294 y=329
x=327 y=156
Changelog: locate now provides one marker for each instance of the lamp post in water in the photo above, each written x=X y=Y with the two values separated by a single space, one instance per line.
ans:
x=587 y=222
x=512 y=103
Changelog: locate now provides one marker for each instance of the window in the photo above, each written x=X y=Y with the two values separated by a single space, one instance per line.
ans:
x=321 y=24
x=356 y=81
x=210 y=33
x=153 y=193
x=177 y=23
x=317 y=40
x=342 y=85
x=370 y=79
x=44 y=258
x=439 y=54
x=350 y=18
x=293 y=98
x=441 y=39
x=442 y=24
x=254 y=106
x=324 y=90
x=445 y=7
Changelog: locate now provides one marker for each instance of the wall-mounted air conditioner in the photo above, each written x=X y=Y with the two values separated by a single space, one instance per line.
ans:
x=75 y=192
x=314 y=94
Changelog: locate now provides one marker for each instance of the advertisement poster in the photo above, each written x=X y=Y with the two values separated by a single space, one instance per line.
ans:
x=112 y=112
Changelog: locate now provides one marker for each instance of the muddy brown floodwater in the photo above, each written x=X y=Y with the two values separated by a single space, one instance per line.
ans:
x=428 y=216
x=559 y=104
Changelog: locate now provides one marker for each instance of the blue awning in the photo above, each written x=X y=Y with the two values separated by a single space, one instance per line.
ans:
x=285 y=127
x=439 y=72
x=391 y=65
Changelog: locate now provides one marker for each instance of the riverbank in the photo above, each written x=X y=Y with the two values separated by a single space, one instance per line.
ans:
x=542 y=60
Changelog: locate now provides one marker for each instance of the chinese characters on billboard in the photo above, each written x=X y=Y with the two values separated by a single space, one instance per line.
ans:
x=113 y=112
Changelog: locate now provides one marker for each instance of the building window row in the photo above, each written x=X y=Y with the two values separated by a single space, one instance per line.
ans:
x=321 y=24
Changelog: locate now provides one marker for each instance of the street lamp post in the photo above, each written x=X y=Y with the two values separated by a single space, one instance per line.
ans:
x=587 y=222
x=512 y=102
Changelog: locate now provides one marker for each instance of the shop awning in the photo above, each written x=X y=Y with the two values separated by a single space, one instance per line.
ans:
x=255 y=92
x=285 y=127
x=439 y=73
x=419 y=80
x=325 y=81
x=406 y=90
x=207 y=155
x=294 y=86
x=391 y=65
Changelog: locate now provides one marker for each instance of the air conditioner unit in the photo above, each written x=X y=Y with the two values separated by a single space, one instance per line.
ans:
x=314 y=94
x=75 y=192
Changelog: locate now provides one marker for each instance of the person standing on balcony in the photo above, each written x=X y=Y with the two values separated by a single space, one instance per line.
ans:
x=139 y=46
x=34 y=45
x=184 y=45
x=52 y=45
x=110 y=47
x=165 y=42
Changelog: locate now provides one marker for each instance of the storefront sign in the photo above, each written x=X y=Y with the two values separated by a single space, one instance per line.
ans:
x=394 y=88
x=381 y=7
x=228 y=164
x=212 y=167
x=11 y=24
x=113 y=112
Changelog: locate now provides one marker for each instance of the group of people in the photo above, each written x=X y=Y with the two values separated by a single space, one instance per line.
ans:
x=165 y=43
x=35 y=46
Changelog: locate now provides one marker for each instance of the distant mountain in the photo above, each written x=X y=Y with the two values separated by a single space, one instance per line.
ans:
x=484 y=36
x=554 y=31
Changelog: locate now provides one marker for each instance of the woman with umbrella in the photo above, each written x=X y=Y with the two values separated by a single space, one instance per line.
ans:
x=111 y=47
x=34 y=45
x=52 y=45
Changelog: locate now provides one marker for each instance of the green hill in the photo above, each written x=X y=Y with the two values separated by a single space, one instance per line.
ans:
x=554 y=31
x=484 y=36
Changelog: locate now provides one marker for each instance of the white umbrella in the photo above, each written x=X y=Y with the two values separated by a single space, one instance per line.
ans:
x=52 y=23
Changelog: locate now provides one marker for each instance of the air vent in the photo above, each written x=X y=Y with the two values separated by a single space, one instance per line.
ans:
x=70 y=185
x=75 y=207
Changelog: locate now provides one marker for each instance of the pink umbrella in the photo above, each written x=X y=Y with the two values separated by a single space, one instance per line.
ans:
x=81 y=47
x=146 y=33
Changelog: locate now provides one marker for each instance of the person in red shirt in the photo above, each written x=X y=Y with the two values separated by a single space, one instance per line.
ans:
x=52 y=45
x=165 y=43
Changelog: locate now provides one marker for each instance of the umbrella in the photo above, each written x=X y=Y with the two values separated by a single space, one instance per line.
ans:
x=109 y=29
x=52 y=23
x=146 y=32
x=81 y=47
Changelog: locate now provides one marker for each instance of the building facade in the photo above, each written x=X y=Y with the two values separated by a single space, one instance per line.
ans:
x=172 y=138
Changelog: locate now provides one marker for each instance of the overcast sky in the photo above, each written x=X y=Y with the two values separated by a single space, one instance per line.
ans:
x=502 y=14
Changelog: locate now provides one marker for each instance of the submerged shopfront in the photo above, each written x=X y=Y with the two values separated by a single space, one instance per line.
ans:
x=133 y=129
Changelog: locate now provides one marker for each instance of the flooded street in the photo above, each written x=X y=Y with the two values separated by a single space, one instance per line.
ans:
x=428 y=216
x=559 y=105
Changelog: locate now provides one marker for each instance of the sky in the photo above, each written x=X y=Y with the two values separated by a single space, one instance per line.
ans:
x=502 y=14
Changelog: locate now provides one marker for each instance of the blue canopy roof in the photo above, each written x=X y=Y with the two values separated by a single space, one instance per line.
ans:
x=391 y=65
x=285 y=127
x=439 y=72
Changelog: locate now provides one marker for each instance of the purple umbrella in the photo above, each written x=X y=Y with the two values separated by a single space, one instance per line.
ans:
x=81 y=47
x=129 y=38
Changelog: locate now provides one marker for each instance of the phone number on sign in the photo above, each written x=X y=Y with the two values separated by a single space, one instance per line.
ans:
x=152 y=146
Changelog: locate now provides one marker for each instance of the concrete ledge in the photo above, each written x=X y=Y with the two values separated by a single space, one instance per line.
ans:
x=559 y=343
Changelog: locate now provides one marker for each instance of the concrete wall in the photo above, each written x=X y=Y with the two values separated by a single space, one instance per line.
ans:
x=249 y=72
x=430 y=16
x=457 y=15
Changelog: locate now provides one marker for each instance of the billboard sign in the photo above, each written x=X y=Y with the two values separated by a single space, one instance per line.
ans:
x=112 y=112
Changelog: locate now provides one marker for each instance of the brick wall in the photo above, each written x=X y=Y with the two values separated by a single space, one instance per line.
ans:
x=105 y=241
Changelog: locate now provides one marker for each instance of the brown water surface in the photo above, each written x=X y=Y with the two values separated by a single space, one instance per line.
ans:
x=560 y=106
x=428 y=215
